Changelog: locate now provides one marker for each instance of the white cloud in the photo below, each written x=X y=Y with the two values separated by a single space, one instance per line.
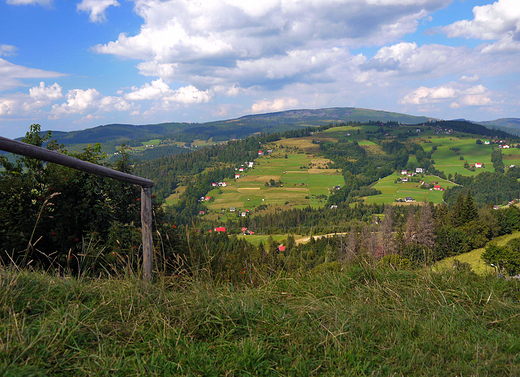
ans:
x=96 y=8
x=78 y=101
x=473 y=78
x=26 y=2
x=460 y=95
x=157 y=89
x=160 y=91
x=274 y=105
x=49 y=93
x=7 y=50
x=10 y=73
x=498 y=21
x=209 y=43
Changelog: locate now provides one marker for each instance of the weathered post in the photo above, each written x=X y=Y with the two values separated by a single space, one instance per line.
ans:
x=146 y=231
x=33 y=151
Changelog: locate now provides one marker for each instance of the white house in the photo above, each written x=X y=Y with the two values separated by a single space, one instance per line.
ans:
x=419 y=170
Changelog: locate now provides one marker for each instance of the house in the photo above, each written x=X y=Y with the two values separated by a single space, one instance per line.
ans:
x=409 y=199
x=334 y=206
x=202 y=212
x=486 y=142
x=214 y=184
x=404 y=172
x=220 y=229
x=237 y=176
x=260 y=153
x=241 y=169
x=207 y=198
x=224 y=184
x=404 y=179
x=337 y=187
x=232 y=209
x=496 y=207
x=478 y=165
x=243 y=214
x=418 y=130
x=419 y=170
x=281 y=248
x=269 y=151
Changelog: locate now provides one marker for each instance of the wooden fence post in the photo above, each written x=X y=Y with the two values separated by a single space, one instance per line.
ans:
x=146 y=231
x=56 y=157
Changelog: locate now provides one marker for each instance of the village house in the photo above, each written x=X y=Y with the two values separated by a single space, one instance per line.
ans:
x=409 y=199
x=419 y=170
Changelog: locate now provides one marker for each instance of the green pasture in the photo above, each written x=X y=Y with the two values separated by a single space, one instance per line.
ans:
x=300 y=185
x=152 y=141
x=474 y=257
x=449 y=161
x=391 y=190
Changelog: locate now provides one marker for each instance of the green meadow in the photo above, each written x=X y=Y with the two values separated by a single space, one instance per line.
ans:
x=390 y=190
x=299 y=187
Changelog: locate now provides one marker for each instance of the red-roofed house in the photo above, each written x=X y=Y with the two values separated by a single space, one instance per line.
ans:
x=220 y=229
x=281 y=248
x=437 y=187
x=260 y=153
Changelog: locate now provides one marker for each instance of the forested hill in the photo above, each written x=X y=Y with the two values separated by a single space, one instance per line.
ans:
x=231 y=128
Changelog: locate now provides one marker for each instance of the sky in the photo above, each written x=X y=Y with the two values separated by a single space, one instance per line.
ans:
x=76 y=64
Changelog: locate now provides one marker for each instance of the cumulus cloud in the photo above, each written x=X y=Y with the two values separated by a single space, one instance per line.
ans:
x=96 y=8
x=78 y=101
x=268 y=43
x=499 y=21
x=159 y=90
x=458 y=94
x=274 y=105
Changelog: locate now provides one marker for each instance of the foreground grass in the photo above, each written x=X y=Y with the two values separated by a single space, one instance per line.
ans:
x=362 y=321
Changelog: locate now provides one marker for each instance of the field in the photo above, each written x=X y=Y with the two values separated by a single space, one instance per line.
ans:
x=474 y=257
x=390 y=191
x=300 y=185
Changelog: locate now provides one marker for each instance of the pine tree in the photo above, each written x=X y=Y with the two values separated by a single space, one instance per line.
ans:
x=469 y=211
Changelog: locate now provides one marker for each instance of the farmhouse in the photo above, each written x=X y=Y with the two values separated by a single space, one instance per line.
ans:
x=437 y=187
x=237 y=176
x=419 y=170
x=260 y=153
x=478 y=165
x=404 y=172
x=220 y=229
x=409 y=199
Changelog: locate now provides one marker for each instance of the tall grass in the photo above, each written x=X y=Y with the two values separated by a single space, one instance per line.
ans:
x=361 y=321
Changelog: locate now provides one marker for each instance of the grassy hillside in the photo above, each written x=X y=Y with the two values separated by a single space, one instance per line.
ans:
x=361 y=321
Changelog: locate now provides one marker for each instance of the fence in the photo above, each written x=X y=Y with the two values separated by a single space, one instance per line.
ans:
x=32 y=151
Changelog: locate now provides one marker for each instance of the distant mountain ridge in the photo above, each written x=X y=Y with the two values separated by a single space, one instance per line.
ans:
x=232 y=128
x=247 y=125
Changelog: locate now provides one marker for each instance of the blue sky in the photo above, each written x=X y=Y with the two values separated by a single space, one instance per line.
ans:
x=71 y=65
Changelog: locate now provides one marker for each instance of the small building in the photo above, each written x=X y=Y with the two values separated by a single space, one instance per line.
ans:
x=207 y=198
x=224 y=184
x=404 y=179
x=496 y=207
x=202 y=212
x=486 y=142
x=260 y=153
x=437 y=187
x=214 y=184
x=232 y=209
x=419 y=170
x=334 y=206
x=409 y=199
x=478 y=165
x=404 y=172
x=220 y=229
x=281 y=248
x=237 y=176
x=241 y=169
